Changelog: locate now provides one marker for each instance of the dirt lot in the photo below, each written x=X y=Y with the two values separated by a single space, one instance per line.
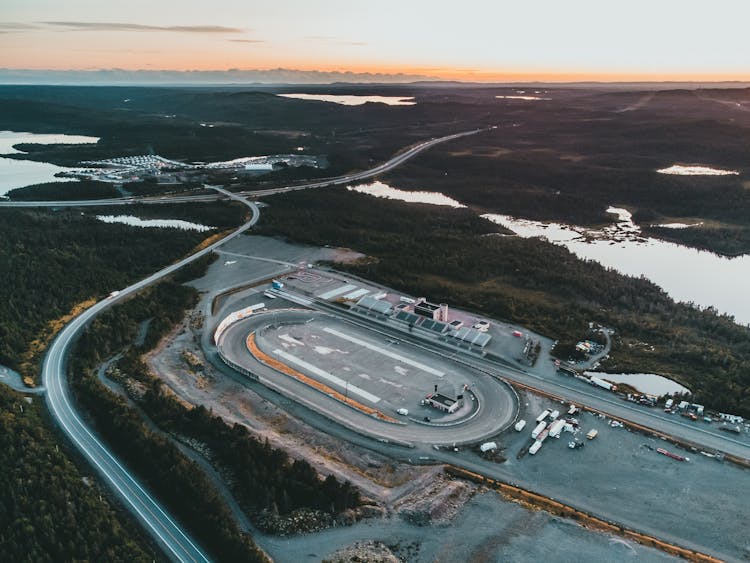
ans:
x=379 y=477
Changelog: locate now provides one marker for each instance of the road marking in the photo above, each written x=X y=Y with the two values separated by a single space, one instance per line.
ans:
x=353 y=389
x=385 y=352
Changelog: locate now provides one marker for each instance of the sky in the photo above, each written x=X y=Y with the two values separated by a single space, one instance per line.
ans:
x=479 y=40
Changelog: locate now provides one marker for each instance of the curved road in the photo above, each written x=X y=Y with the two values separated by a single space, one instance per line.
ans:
x=163 y=528
x=393 y=162
x=148 y=510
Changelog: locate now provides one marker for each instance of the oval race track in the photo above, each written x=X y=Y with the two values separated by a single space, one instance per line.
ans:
x=279 y=335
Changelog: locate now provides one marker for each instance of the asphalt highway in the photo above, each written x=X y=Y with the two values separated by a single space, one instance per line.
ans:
x=393 y=162
x=148 y=510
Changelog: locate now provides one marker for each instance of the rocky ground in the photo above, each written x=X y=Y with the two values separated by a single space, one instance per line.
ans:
x=180 y=363
x=364 y=552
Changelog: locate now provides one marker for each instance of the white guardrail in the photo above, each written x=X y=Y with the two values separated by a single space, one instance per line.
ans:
x=234 y=317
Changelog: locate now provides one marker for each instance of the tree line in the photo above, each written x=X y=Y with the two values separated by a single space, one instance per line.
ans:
x=457 y=259
x=265 y=481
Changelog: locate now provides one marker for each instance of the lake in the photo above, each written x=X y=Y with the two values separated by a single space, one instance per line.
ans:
x=686 y=274
x=19 y=173
x=153 y=223
x=354 y=100
x=379 y=189
x=648 y=383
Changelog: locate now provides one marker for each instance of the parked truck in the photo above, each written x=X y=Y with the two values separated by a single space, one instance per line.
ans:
x=554 y=415
x=542 y=416
x=603 y=384
x=520 y=425
x=556 y=428
x=488 y=447
x=538 y=430
x=535 y=447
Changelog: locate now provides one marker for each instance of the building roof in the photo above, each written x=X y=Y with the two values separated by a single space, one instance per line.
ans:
x=407 y=317
x=369 y=303
x=440 y=398
x=427 y=306
x=472 y=336
x=434 y=326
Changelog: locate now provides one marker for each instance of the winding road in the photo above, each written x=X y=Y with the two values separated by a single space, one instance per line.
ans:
x=386 y=166
x=164 y=529
x=168 y=533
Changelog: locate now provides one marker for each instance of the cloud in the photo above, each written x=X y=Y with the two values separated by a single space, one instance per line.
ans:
x=119 y=26
x=246 y=40
x=11 y=27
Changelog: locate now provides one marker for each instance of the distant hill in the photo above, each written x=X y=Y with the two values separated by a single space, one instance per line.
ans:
x=198 y=77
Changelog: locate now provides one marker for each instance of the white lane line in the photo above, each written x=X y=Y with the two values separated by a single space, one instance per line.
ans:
x=385 y=352
x=291 y=340
x=353 y=389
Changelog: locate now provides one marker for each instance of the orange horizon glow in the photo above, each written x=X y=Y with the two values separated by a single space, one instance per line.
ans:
x=494 y=42
x=446 y=74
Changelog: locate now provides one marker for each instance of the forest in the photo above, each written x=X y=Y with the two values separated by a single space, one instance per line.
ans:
x=49 y=510
x=52 y=261
x=57 y=191
x=265 y=481
x=527 y=281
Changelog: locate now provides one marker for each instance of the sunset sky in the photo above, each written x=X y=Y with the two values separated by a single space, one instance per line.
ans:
x=481 y=40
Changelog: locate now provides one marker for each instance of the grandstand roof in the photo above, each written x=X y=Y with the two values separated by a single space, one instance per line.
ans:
x=434 y=326
x=369 y=303
x=472 y=336
x=407 y=317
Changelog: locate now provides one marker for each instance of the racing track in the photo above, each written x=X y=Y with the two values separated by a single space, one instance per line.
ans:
x=168 y=534
x=497 y=404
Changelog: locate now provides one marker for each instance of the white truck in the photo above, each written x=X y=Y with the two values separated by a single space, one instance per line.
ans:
x=603 y=384
x=520 y=425
x=556 y=428
x=535 y=447
x=488 y=447
x=542 y=416
x=554 y=415
x=538 y=430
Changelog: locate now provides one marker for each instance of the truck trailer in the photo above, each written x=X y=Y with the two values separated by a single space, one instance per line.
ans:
x=542 y=416
x=556 y=428
x=603 y=384
x=538 y=430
